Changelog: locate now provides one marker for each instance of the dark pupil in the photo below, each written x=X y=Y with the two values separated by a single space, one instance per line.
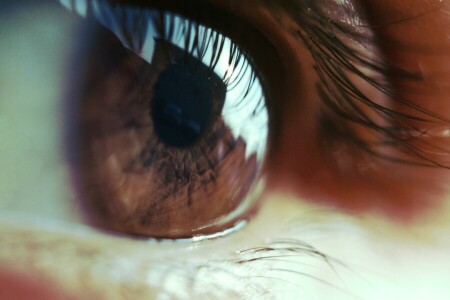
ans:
x=182 y=102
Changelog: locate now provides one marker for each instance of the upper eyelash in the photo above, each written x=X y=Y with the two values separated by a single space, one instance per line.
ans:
x=329 y=42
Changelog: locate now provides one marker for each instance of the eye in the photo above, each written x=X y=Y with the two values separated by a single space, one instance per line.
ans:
x=82 y=262
x=170 y=121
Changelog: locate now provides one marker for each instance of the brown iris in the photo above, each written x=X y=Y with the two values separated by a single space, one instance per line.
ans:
x=155 y=156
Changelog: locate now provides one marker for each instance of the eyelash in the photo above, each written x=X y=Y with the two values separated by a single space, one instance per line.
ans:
x=329 y=42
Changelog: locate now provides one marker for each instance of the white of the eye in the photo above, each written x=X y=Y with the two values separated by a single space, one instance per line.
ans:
x=35 y=49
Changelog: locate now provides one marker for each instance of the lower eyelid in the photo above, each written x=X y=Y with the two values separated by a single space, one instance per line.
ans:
x=132 y=268
x=269 y=258
x=100 y=266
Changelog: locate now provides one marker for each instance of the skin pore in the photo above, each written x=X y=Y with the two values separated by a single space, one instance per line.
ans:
x=334 y=223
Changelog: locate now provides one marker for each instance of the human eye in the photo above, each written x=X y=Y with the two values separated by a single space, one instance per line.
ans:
x=360 y=123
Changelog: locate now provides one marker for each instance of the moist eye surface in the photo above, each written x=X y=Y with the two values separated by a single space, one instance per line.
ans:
x=171 y=124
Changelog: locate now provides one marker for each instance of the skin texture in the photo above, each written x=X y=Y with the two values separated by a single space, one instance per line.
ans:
x=382 y=233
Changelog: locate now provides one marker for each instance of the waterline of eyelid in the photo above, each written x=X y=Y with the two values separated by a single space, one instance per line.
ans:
x=202 y=237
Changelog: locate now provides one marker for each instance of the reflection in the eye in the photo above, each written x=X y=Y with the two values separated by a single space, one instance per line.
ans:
x=287 y=251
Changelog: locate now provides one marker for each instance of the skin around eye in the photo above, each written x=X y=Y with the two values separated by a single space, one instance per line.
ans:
x=171 y=133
